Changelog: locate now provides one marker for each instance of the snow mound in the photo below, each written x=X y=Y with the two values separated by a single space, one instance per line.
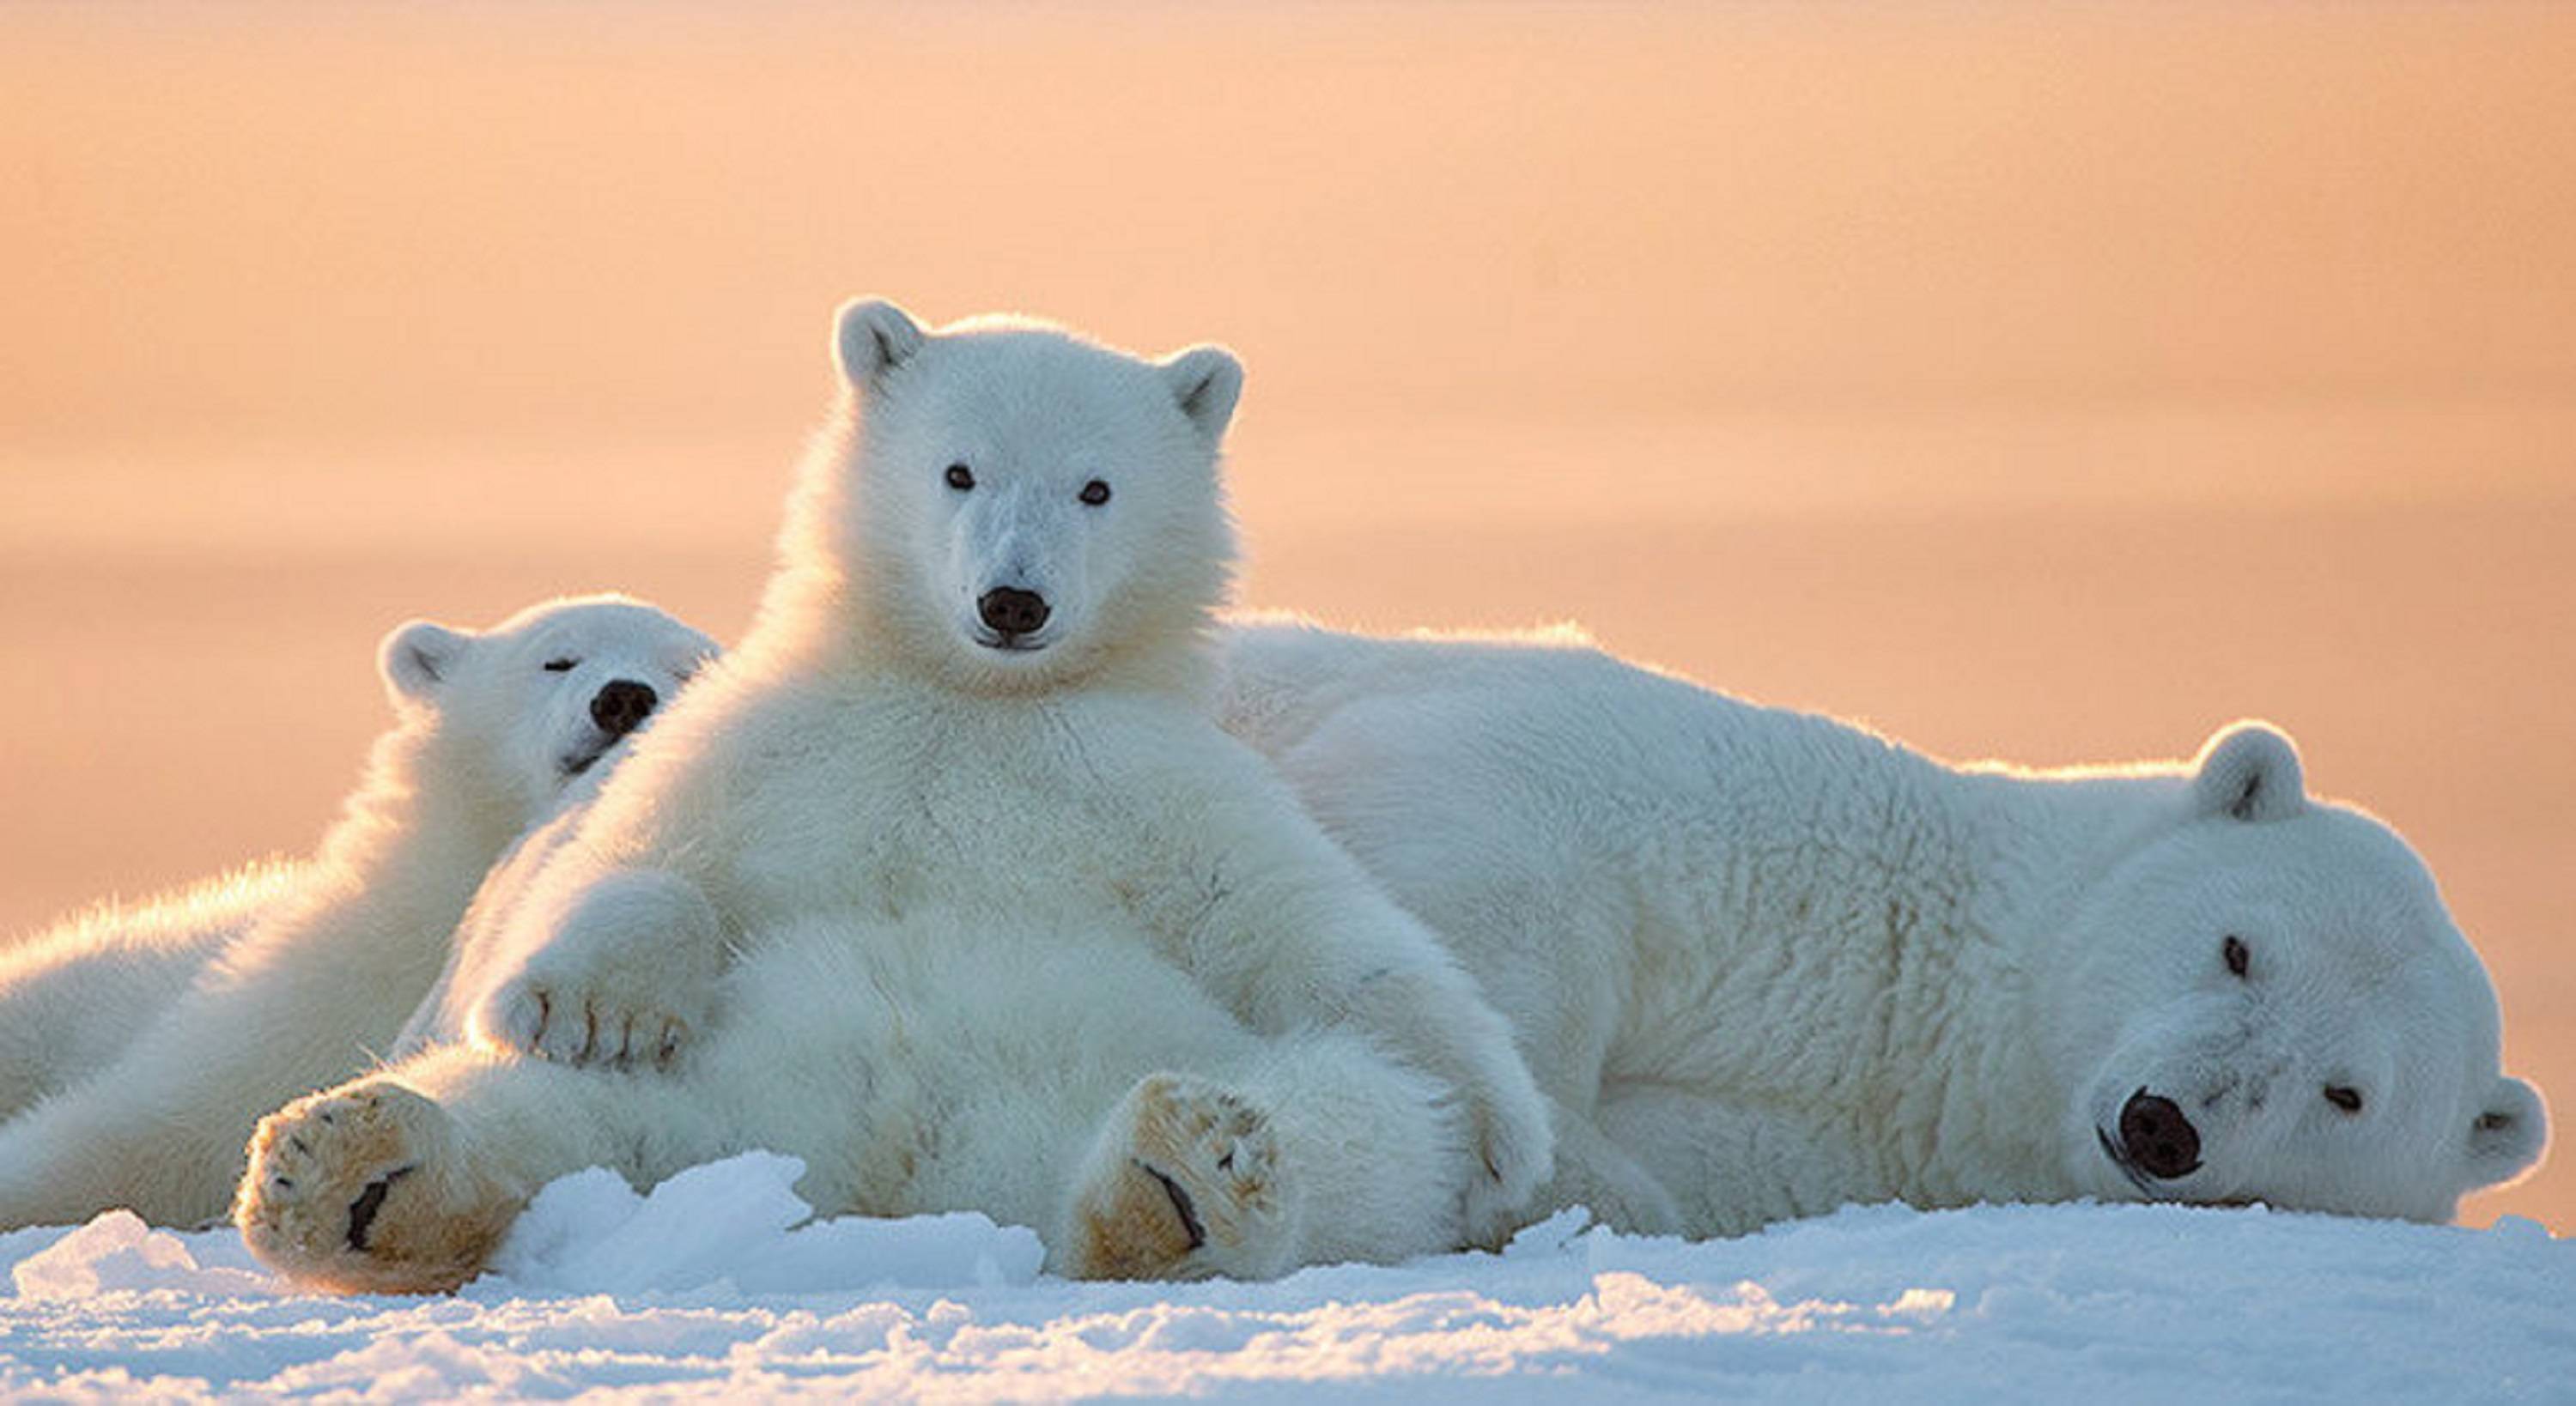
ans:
x=739 y=1224
x=720 y=1283
x=117 y=1253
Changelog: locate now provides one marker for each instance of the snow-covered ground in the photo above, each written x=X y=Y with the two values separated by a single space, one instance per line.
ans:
x=715 y=1285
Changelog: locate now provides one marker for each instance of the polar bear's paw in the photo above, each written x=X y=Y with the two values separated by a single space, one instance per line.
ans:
x=559 y=1018
x=368 y=1188
x=1516 y=1149
x=626 y=979
x=1186 y=1185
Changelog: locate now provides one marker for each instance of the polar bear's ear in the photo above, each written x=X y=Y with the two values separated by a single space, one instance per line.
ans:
x=2506 y=1137
x=418 y=657
x=1207 y=381
x=2249 y=771
x=873 y=337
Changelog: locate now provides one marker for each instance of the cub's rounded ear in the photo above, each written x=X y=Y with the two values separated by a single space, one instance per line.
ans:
x=873 y=337
x=418 y=658
x=2249 y=771
x=2508 y=1134
x=1206 y=381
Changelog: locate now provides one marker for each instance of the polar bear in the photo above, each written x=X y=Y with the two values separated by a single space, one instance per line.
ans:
x=947 y=882
x=1766 y=963
x=301 y=974
x=74 y=995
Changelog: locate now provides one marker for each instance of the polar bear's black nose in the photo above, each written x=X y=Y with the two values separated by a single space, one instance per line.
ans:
x=2159 y=1140
x=1011 y=610
x=622 y=706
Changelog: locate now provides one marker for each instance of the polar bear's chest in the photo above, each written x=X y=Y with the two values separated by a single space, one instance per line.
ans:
x=1024 y=834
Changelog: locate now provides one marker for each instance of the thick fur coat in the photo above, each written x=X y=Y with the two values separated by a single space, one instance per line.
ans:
x=195 y=1017
x=947 y=882
x=1766 y=963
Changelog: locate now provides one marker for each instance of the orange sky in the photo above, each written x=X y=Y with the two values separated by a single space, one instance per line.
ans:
x=2050 y=382
x=506 y=219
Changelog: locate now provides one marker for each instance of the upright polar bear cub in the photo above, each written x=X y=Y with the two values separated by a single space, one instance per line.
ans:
x=166 y=1035
x=1766 y=963
x=947 y=882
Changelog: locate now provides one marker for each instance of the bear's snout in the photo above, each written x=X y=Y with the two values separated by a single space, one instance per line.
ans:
x=622 y=706
x=2158 y=1139
x=1012 y=611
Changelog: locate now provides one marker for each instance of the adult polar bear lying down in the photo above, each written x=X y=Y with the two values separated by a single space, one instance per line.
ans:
x=985 y=910
x=159 y=1036
x=1767 y=964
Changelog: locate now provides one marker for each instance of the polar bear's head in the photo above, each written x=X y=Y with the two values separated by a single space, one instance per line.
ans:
x=2268 y=1002
x=1028 y=507
x=534 y=702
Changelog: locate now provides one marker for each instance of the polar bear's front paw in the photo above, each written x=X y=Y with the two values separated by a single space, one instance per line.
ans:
x=556 y=1016
x=1514 y=1144
x=1185 y=1186
x=627 y=978
x=367 y=1188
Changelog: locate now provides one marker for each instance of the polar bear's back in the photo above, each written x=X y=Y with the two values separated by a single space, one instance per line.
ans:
x=124 y=958
x=187 y=919
x=1624 y=860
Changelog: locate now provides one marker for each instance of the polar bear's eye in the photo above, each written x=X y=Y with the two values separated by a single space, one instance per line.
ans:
x=2233 y=952
x=560 y=666
x=960 y=477
x=1094 y=493
x=2345 y=1098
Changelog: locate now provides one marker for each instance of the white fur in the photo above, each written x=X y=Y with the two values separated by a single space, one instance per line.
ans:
x=74 y=995
x=300 y=975
x=923 y=909
x=1766 y=963
x=951 y=1063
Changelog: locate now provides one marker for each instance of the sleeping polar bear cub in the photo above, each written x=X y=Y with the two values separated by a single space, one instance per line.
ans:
x=1767 y=963
x=252 y=1002
x=947 y=882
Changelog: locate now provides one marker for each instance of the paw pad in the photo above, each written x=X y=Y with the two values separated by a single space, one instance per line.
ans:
x=1194 y=1192
x=369 y=1191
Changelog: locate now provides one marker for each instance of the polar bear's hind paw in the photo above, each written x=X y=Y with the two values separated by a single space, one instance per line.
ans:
x=1190 y=1188
x=365 y=1189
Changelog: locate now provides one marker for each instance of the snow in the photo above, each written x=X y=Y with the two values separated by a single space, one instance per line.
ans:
x=718 y=1284
x=739 y=1223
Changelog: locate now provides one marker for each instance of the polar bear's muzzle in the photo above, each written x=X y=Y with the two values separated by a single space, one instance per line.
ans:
x=616 y=711
x=1012 y=618
x=622 y=705
x=2156 y=1141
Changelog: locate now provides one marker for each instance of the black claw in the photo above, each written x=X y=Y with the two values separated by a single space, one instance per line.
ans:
x=300 y=1145
x=281 y=1183
x=362 y=1212
x=1181 y=1203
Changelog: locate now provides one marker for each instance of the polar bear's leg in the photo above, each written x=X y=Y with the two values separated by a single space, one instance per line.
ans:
x=161 y=1129
x=1598 y=1174
x=1733 y=1168
x=1318 y=1150
x=405 y=1181
x=1375 y=1147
